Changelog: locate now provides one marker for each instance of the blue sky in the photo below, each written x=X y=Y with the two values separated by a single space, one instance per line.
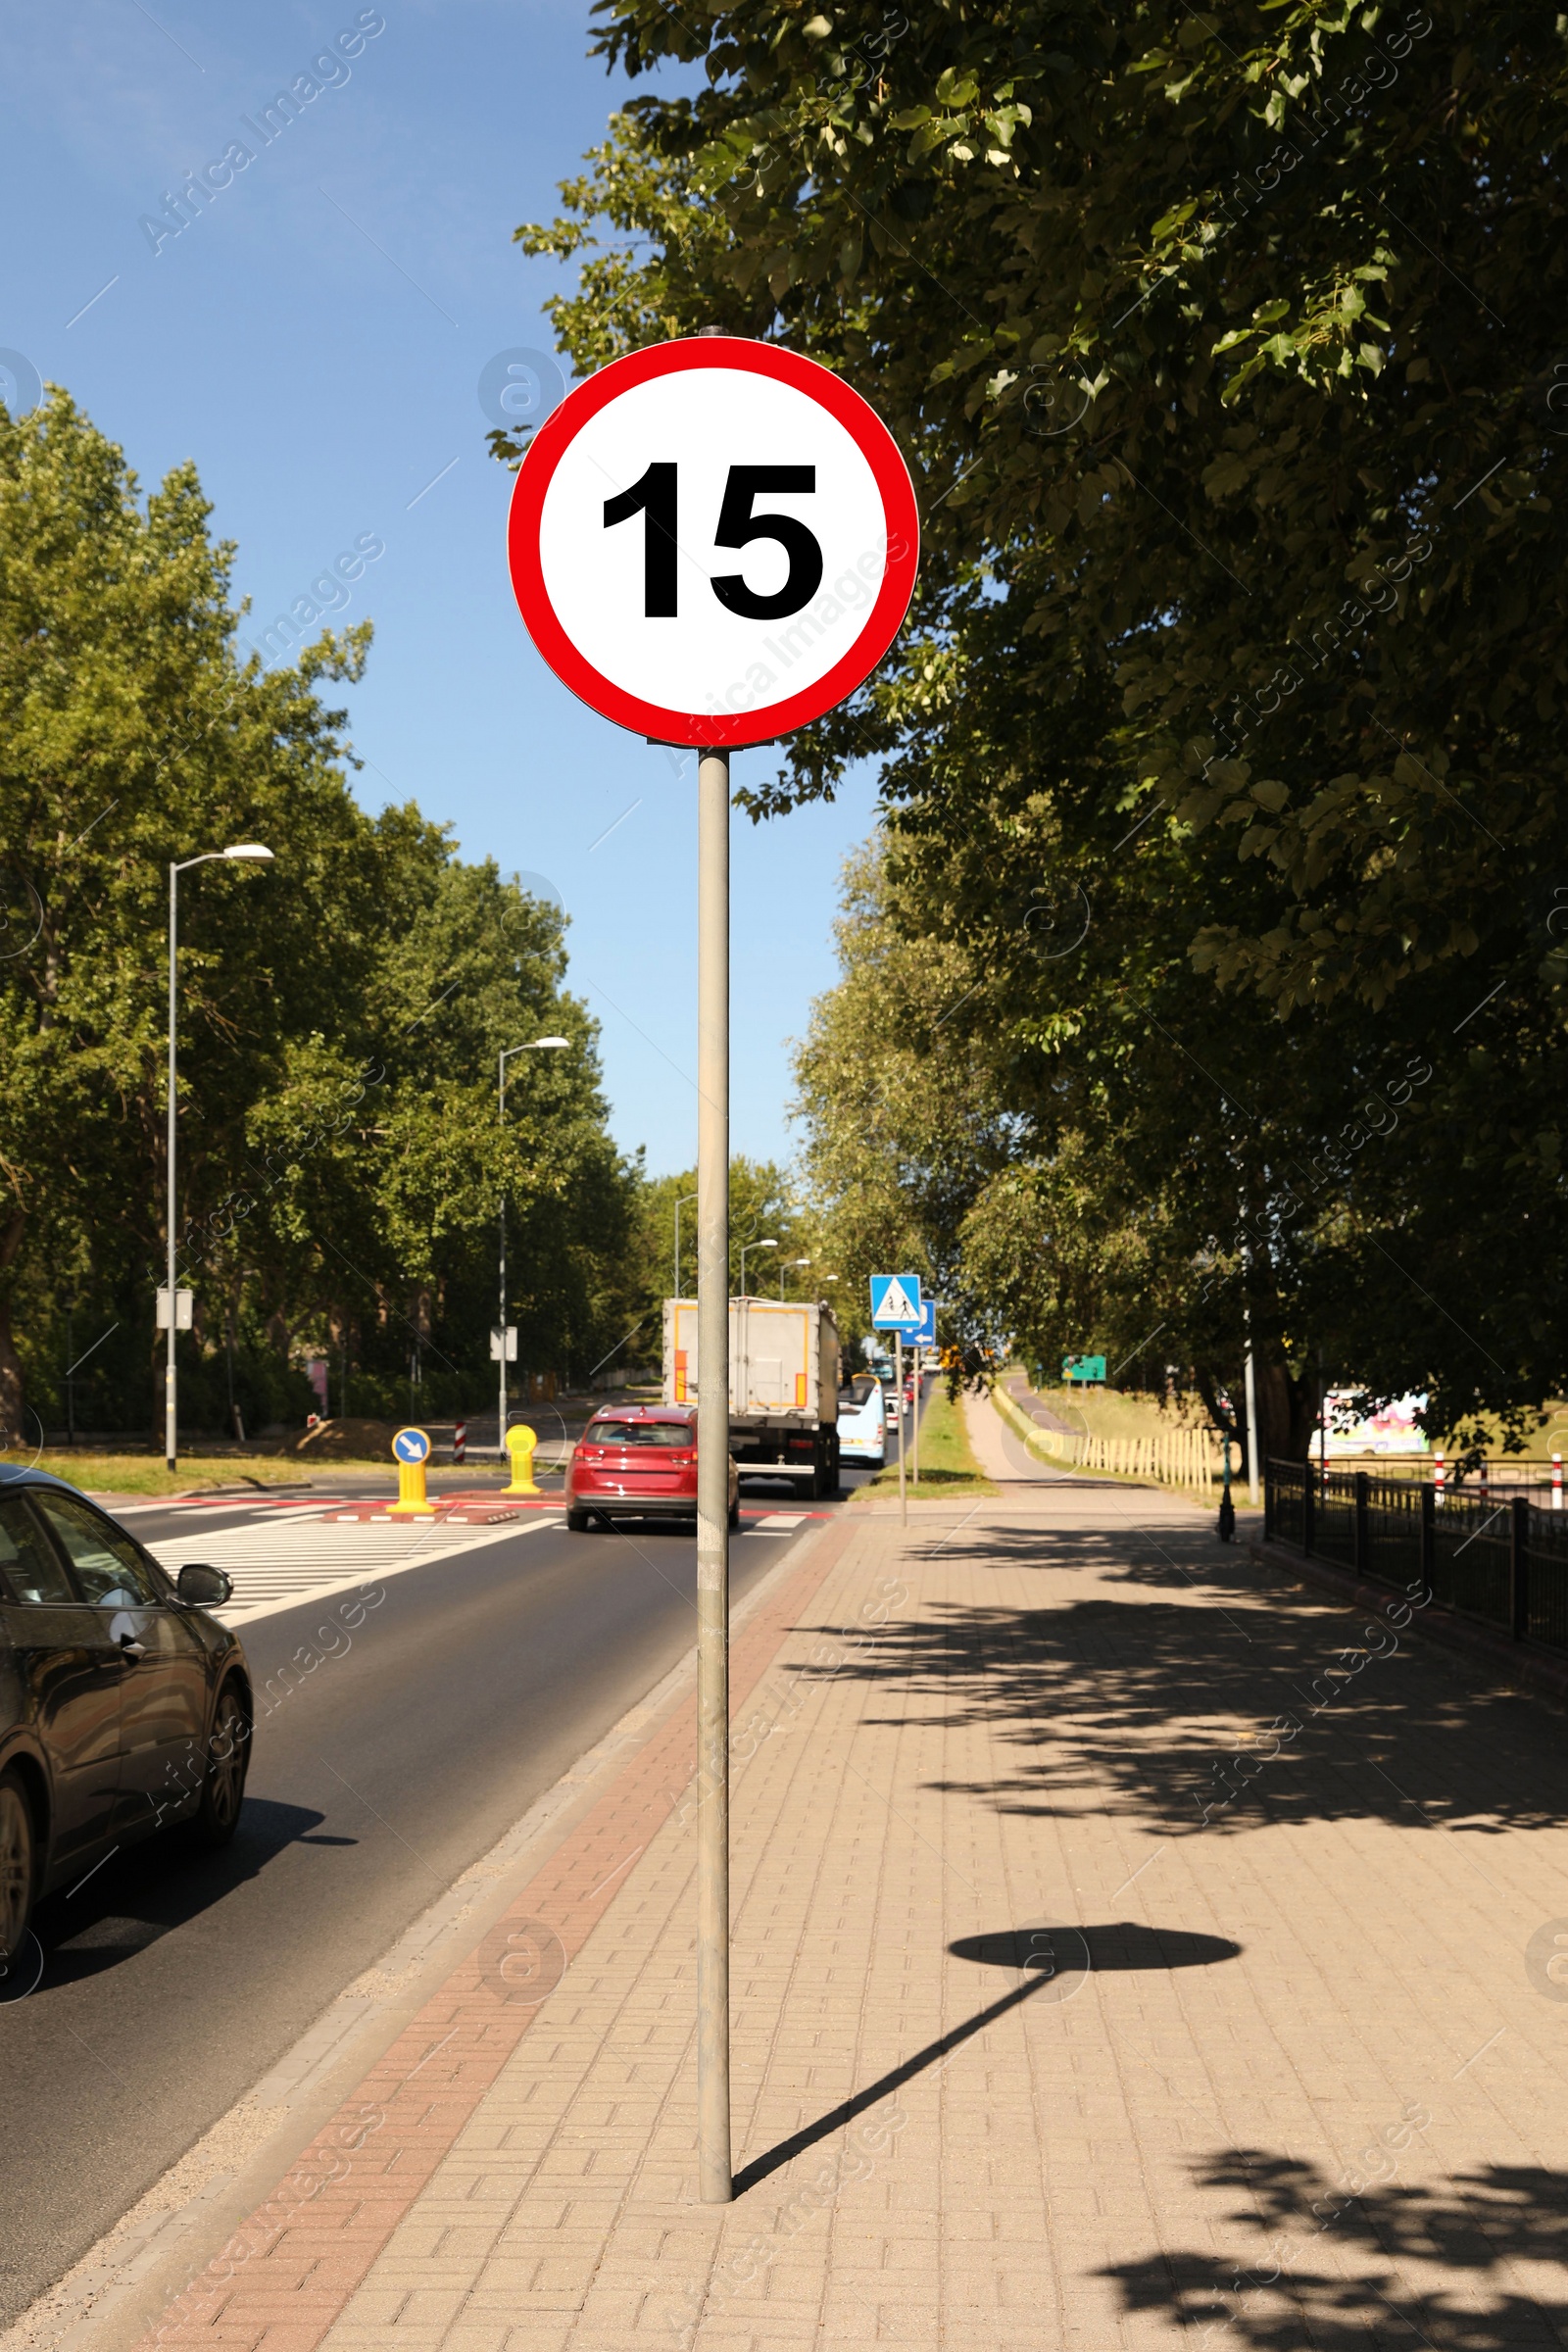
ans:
x=315 y=340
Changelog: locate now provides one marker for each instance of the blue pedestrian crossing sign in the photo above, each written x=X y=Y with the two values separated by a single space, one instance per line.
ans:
x=896 y=1302
x=410 y=1445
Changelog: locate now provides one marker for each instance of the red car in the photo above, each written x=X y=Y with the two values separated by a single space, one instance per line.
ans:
x=638 y=1462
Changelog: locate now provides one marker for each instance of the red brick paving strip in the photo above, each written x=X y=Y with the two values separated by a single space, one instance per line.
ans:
x=287 y=2271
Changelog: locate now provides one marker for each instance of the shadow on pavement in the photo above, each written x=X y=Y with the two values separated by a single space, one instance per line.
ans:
x=1127 y=1943
x=1337 y=2267
x=140 y=1893
x=1192 y=1714
x=1033 y=1955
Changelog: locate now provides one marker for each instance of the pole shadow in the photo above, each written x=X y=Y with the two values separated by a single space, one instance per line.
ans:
x=1034 y=1954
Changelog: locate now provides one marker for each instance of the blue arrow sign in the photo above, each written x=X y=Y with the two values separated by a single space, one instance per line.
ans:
x=410 y=1445
x=896 y=1302
x=924 y=1333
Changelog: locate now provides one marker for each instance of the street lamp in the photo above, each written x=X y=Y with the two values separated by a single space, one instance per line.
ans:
x=745 y=1246
x=240 y=851
x=784 y=1265
x=684 y=1202
x=533 y=1044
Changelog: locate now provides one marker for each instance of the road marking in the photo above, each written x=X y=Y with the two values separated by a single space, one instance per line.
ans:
x=778 y=1523
x=277 y=1566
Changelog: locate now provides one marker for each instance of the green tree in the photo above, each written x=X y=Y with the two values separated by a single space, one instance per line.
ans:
x=339 y=1012
x=1225 y=348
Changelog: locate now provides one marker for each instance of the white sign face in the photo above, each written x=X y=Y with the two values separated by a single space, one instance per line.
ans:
x=713 y=541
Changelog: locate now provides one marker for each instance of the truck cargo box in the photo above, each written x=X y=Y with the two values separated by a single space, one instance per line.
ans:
x=783 y=1383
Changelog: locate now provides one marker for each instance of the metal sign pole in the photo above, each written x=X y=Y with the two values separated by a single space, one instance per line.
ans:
x=171 y=1373
x=717 y=2187
x=897 y=1390
x=914 y=1360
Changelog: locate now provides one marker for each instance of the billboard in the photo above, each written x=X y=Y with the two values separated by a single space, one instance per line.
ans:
x=1395 y=1429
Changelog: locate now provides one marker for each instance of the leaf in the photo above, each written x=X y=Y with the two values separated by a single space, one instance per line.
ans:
x=957 y=88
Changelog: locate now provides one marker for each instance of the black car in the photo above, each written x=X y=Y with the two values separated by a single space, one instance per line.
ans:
x=123 y=1705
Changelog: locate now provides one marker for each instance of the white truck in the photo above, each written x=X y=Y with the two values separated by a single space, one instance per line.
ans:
x=783 y=1386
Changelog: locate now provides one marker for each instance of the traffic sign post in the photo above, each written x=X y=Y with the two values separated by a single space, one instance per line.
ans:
x=715 y=2182
x=896 y=1306
x=411 y=1450
x=923 y=1336
x=713 y=542
x=897 y=1390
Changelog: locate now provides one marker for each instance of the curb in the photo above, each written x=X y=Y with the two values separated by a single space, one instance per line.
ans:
x=287 y=2273
x=1543 y=1676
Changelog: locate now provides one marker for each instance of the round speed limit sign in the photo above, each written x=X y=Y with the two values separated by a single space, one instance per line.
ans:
x=713 y=541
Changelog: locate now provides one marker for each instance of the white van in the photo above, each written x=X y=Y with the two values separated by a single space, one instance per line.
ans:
x=862 y=1423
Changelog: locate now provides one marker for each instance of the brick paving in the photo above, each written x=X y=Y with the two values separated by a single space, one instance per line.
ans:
x=1130 y=1949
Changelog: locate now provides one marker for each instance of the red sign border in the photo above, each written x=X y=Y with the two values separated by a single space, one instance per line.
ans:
x=711 y=729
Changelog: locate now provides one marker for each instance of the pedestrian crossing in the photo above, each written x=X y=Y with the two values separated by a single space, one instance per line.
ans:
x=284 y=1560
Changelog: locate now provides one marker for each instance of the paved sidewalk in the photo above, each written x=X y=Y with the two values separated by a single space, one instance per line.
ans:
x=1128 y=1952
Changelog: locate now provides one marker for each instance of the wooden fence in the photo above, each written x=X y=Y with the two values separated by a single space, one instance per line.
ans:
x=1188 y=1460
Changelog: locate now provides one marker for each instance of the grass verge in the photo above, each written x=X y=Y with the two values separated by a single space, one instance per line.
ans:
x=145 y=1474
x=948 y=1468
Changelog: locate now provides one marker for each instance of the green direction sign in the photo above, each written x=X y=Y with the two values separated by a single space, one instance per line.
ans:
x=1084 y=1367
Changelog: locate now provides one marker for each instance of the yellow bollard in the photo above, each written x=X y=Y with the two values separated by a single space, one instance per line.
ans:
x=520 y=1442
x=411 y=1450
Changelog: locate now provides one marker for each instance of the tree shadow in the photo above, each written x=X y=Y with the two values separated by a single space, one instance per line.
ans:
x=1386 y=2264
x=1182 y=1714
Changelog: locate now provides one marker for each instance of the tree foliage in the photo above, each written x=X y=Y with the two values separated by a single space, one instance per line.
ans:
x=340 y=1159
x=1226 y=348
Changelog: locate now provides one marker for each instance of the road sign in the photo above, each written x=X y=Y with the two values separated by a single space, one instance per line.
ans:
x=184 y=1303
x=1084 y=1367
x=500 y=1339
x=895 y=1302
x=410 y=1445
x=713 y=541
x=924 y=1333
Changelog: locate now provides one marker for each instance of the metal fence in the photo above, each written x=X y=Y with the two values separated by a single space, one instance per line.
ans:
x=1500 y=1559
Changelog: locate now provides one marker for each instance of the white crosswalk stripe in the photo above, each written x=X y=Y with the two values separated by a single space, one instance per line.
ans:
x=280 y=1561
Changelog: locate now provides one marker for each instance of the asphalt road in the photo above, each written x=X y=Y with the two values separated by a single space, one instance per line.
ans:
x=174 y=1979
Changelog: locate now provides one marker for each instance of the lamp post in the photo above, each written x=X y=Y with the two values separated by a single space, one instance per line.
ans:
x=745 y=1246
x=784 y=1265
x=241 y=852
x=684 y=1202
x=533 y=1044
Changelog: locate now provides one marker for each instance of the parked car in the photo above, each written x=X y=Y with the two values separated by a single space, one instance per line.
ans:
x=124 y=1706
x=638 y=1462
x=862 y=1421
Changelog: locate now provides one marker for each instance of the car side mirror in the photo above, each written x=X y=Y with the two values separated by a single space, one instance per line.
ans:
x=202 y=1587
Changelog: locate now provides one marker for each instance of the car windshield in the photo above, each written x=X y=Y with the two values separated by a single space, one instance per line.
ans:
x=640 y=1433
x=859 y=1389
